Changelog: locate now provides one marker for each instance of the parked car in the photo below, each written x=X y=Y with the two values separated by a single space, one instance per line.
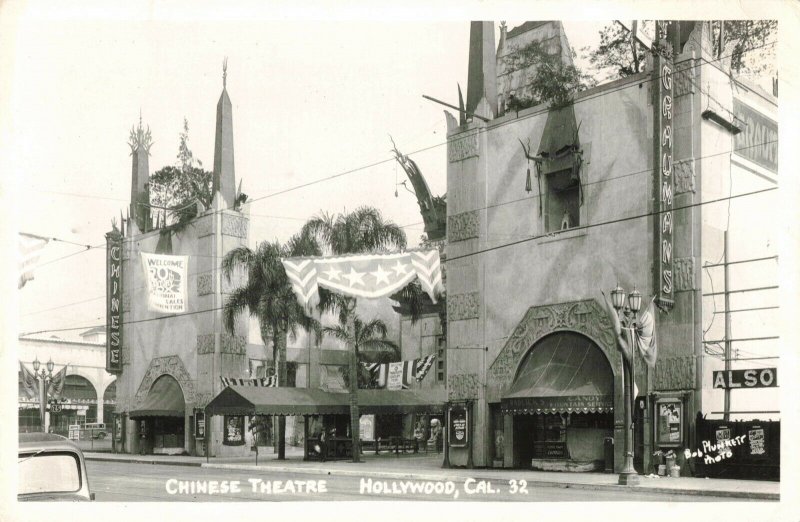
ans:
x=50 y=467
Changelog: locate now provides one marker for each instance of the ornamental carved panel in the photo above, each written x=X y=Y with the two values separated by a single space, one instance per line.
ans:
x=683 y=78
x=675 y=373
x=234 y=226
x=234 y=344
x=684 y=176
x=204 y=286
x=463 y=306
x=169 y=365
x=462 y=386
x=205 y=343
x=462 y=226
x=462 y=147
x=585 y=317
x=683 y=275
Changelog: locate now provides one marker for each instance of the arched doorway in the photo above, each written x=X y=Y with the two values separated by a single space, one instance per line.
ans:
x=161 y=417
x=79 y=407
x=109 y=402
x=561 y=401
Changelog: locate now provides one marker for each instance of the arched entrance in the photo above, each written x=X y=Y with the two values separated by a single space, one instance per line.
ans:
x=80 y=405
x=109 y=402
x=161 y=418
x=561 y=400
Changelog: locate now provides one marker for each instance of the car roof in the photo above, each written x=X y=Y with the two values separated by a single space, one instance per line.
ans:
x=48 y=441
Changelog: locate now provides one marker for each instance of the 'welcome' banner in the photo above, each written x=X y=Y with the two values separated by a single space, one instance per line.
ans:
x=166 y=282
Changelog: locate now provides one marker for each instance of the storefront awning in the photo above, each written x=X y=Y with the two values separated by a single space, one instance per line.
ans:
x=565 y=372
x=250 y=400
x=165 y=399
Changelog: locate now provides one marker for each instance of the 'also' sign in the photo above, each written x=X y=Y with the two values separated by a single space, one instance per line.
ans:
x=757 y=378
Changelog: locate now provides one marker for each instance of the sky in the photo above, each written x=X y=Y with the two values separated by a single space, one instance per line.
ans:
x=311 y=99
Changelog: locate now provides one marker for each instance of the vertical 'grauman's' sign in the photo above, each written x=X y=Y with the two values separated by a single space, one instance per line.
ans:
x=113 y=301
x=664 y=184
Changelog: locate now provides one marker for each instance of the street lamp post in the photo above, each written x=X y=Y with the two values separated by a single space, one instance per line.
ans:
x=627 y=317
x=43 y=378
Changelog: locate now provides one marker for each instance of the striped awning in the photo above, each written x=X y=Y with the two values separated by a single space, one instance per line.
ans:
x=565 y=372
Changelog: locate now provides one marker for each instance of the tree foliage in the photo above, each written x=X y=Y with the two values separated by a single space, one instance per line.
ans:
x=176 y=190
x=747 y=47
x=550 y=80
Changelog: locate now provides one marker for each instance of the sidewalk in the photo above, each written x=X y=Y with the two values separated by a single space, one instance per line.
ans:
x=428 y=467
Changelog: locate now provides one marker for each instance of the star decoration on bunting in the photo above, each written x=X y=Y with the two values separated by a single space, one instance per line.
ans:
x=354 y=277
x=381 y=275
x=400 y=268
x=332 y=273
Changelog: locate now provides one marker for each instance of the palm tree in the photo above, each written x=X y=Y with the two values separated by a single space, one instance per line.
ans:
x=362 y=231
x=268 y=297
x=366 y=338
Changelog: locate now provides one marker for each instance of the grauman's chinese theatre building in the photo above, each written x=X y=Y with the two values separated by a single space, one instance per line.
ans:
x=531 y=243
x=170 y=365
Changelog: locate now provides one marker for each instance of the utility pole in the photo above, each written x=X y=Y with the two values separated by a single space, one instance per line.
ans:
x=727 y=407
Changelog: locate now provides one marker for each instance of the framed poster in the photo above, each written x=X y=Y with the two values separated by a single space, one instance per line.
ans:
x=199 y=424
x=458 y=429
x=669 y=422
x=755 y=436
x=233 y=430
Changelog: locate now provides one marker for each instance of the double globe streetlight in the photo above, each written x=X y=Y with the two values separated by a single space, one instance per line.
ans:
x=43 y=379
x=627 y=318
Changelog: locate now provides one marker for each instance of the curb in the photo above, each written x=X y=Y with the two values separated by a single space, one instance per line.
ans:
x=434 y=477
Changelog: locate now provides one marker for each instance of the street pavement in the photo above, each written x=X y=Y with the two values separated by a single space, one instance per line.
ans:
x=136 y=482
x=389 y=469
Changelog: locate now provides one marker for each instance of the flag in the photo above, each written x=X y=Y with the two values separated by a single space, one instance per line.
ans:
x=264 y=382
x=646 y=335
x=302 y=274
x=365 y=275
x=423 y=365
x=623 y=344
x=57 y=383
x=399 y=375
x=29 y=248
x=378 y=372
x=29 y=383
x=417 y=369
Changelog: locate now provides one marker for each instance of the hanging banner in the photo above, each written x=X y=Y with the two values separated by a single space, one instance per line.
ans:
x=166 y=278
x=114 y=301
x=394 y=379
x=664 y=184
x=369 y=276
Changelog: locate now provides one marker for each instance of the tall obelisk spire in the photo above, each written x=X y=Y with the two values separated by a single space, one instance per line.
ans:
x=224 y=174
x=140 y=143
x=482 y=75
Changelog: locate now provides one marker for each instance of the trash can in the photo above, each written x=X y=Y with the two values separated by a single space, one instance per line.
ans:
x=608 y=452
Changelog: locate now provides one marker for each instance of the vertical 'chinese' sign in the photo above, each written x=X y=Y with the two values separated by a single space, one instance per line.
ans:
x=664 y=184
x=113 y=301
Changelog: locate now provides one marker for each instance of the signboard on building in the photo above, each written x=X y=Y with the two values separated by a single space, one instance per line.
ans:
x=753 y=378
x=458 y=430
x=758 y=141
x=664 y=180
x=166 y=278
x=367 y=427
x=114 y=302
x=199 y=424
x=669 y=422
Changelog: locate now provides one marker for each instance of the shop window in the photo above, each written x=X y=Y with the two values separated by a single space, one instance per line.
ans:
x=562 y=200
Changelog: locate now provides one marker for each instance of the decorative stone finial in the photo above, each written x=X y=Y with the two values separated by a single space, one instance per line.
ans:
x=139 y=137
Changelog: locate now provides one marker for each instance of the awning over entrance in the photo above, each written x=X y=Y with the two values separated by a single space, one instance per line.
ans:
x=165 y=399
x=564 y=372
x=249 y=400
